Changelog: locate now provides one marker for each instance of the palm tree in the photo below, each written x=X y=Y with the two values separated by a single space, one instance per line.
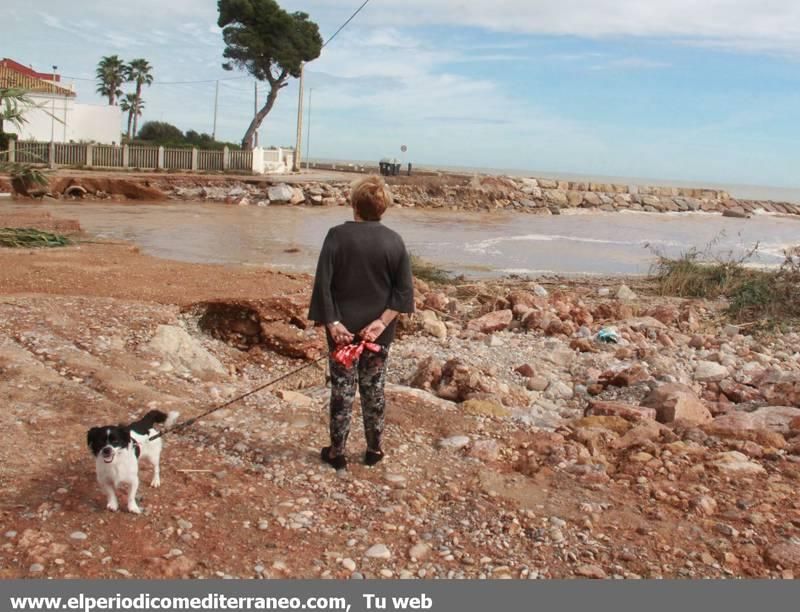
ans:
x=129 y=104
x=110 y=72
x=139 y=71
x=13 y=103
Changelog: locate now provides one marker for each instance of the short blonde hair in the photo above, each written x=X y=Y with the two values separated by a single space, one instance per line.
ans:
x=370 y=197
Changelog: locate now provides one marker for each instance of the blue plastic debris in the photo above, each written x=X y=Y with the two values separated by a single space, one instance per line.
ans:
x=609 y=335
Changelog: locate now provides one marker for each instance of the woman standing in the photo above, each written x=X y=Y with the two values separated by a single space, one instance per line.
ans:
x=363 y=282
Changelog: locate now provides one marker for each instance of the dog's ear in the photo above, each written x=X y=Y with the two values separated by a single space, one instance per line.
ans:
x=125 y=434
x=91 y=435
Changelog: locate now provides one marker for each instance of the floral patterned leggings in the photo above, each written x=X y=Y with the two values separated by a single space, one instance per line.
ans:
x=370 y=373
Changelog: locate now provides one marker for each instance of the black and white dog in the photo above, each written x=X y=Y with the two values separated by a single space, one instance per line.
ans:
x=118 y=449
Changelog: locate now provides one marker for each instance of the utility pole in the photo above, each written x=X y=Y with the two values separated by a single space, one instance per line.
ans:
x=299 y=144
x=308 y=131
x=53 y=107
x=255 y=113
x=216 y=100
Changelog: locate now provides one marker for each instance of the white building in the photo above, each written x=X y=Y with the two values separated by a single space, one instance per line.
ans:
x=56 y=116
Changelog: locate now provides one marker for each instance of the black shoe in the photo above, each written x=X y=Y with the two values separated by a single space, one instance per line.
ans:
x=339 y=462
x=373 y=457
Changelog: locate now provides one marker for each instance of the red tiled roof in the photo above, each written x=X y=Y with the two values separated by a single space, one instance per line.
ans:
x=28 y=71
x=15 y=75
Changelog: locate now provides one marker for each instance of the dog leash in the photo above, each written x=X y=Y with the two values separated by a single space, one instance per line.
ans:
x=194 y=419
x=343 y=355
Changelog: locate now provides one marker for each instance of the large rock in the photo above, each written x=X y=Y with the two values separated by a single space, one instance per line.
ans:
x=459 y=382
x=779 y=387
x=615 y=424
x=773 y=418
x=398 y=395
x=436 y=301
x=591 y=200
x=492 y=322
x=485 y=407
x=177 y=347
x=737 y=212
x=378 y=551
x=739 y=393
x=287 y=339
x=628 y=377
x=295 y=398
x=710 y=371
x=485 y=450
x=643 y=324
x=626 y=411
x=523 y=298
x=645 y=431
x=435 y=328
x=785 y=555
x=677 y=402
x=625 y=293
x=454 y=442
x=556 y=196
x=280 y=194
x=427 y=375
x=735 y=463
x=534 y=319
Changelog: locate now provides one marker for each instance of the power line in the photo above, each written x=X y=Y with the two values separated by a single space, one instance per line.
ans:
x=74 y=78
x=344 y=25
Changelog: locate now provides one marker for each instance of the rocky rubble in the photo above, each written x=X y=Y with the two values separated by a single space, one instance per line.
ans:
x=519 y=444
x=492 y=193
x=479 y=193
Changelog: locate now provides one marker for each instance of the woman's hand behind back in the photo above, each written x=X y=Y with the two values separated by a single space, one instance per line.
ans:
x=340 y=334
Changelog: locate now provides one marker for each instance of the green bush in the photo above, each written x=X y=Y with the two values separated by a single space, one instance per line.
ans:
x=161 y=133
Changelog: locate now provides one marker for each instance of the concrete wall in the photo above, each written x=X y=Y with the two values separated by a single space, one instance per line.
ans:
x=272 y=161
x=74 y=122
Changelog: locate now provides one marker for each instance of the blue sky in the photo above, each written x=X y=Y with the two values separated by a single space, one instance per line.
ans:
x=633 y=88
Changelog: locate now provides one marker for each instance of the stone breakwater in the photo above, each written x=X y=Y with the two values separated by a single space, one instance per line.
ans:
x=533 y=196
x=477 y=193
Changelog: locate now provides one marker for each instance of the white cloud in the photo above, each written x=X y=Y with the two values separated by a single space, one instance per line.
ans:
x=745 y=24
x=403 y=88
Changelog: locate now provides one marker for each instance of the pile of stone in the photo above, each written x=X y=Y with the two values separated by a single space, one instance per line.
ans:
x=535 y=196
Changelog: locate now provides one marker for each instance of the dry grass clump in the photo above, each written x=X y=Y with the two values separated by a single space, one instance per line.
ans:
x=754 y=295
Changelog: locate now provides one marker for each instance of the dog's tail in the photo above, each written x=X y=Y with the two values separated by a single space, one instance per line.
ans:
x=146 y=423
